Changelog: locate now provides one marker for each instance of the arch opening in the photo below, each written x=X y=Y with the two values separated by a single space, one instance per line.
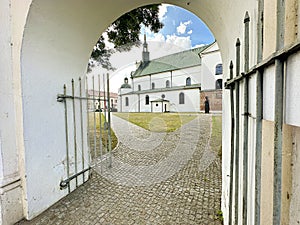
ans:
x=65 y=50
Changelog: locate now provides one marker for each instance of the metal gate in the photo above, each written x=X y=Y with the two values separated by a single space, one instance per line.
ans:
x=87 y=121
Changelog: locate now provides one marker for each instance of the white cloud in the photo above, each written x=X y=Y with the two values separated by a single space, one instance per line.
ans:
x=107 y=43
x=182 y=42
x=158 y=37
x=163 y=9
x=182 y=27
x=190 y=32
x=198 y=46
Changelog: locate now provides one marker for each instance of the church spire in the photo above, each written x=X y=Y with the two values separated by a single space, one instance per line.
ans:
x=146 y=57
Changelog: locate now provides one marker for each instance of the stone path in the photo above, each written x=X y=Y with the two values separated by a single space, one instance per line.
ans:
x=156 y=178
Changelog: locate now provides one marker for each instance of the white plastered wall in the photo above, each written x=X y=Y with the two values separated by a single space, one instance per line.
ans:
x=58 y=39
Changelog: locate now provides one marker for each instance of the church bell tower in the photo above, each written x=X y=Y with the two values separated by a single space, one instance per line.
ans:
x=146 y=57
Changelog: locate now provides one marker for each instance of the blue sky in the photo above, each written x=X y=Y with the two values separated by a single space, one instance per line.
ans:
x=181 y=27
x=182 y=30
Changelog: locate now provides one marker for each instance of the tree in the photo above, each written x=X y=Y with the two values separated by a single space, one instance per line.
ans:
x=124 y=34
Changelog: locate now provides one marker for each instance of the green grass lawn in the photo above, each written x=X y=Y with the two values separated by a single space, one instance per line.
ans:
x=104 y=136
x=216 y=136
x=157 y=122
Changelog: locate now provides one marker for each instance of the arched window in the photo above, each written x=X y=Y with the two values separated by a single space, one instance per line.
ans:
x=126 y=101
x=139 y=87
x=219 y=84
x=153 y=85
x=167 y=84
x=188 y=81
x=219 y=69
x=147 y=99
x=181 y=98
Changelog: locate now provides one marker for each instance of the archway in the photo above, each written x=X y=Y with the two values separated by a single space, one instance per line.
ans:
x=57 y=40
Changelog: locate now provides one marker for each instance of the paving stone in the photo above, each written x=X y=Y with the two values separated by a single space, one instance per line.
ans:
x=156 y=178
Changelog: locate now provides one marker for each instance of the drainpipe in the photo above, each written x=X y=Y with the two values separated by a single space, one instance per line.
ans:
x=278 y=115
x=237 y=131
x=259 y=112
x=246 y=113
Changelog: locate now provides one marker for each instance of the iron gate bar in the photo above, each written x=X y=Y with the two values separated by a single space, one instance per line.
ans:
x=67 y=137
x=237 y=131
x=232 y=145
x=74 y=131
x=258 y=145
x=94 y=118
x=104 y=106
x=109 y=123
x=281 y=54
x=88 y=120
x=237 y=137
x=278 y=114
x=259 y=111
x=61 y=97
x=66 y=183
x=81 y=128
x=100 y=125
x=246 y=114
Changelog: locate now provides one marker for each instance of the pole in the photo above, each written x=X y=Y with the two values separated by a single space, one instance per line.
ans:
x=109 y=123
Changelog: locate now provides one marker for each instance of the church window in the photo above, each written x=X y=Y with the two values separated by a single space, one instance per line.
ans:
x=181 y=98
x=153 y=85
x=167 y=84
x=147 y=99
x=219 y=69
x=139 y=87
x=188 y=81
x=219 y=84
x=126 y=101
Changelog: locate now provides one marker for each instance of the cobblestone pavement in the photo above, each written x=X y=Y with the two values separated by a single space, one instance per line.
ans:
x=156 y=178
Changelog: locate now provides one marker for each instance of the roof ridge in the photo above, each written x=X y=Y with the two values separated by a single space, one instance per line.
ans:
x=182 y=52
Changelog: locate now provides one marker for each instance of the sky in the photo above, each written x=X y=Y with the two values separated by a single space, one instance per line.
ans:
x=182 y=31
x=181 y=28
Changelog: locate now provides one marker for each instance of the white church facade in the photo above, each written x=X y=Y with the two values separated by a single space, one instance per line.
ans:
x=172 y=83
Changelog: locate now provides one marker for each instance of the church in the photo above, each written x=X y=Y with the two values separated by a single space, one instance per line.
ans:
x=174 y=83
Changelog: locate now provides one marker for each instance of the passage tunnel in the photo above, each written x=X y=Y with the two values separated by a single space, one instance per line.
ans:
x=57 y=43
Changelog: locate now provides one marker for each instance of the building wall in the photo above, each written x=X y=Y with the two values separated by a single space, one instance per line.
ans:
x=210 y=58
x=144 y=81
x=176 y=78
x=215 y=100
x=179 y=76
x=137 y=102
x=159 y=79
x=37 y=43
